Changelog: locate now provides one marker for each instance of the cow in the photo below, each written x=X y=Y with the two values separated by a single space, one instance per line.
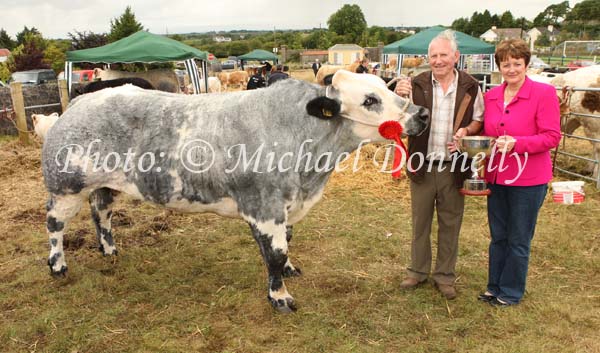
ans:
x=325 y=71
x=198 y=142
x=581 y=102
x=98 y=85
x=214 y=86
x=238 y=78
x=42 y=123
x=162 y=80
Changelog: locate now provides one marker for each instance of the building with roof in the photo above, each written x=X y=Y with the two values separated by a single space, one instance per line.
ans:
x=495 y=35
x=345 y=54
x=309 y=56
x=4 y=54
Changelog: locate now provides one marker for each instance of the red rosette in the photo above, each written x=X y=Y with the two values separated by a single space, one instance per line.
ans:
x=392 y=130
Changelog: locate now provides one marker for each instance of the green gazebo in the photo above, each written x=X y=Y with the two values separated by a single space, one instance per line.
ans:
x=143 y=47
x=418 y=44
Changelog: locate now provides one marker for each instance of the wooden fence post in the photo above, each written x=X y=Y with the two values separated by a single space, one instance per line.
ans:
x=63 y=92
x=16 y=94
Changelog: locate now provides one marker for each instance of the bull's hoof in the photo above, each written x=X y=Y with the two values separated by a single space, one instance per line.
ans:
x=284 y=306
x=53 y=262
x=291 y=271
x=105 y=253
x=60 y=273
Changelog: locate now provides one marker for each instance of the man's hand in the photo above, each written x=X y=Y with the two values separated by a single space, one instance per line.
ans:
x=453 y=146
x=403 y=87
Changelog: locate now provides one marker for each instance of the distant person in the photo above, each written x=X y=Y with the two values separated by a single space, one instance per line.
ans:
x=277 y=75
x=363 y=67
x=316 y=66
x=256 y=80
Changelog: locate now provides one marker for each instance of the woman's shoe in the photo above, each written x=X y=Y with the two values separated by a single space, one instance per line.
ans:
x=496 y=302
x=485 y=297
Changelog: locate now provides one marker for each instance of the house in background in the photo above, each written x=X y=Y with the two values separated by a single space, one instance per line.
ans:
x=345 y=54
x=4 y=54
x=221 y=39
x=534 y=33
x=495 y=35
x=309 y=56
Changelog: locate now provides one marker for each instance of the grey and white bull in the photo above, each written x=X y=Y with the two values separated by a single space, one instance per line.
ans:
x=184 y=153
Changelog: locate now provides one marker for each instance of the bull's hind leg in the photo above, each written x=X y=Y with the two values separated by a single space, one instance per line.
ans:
x=101 y=201
x=290 y=270
x=272 y=240
x=60 y=210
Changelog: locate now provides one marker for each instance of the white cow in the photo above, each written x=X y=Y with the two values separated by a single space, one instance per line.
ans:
x=214 y=86
x=582 y=103
x=41 y=123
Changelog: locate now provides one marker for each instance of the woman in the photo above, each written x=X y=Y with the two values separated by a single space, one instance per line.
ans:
x=524 y=117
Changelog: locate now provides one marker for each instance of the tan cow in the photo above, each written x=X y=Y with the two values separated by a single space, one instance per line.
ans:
x=163 y=80
x=238 y=78
x=327 y=70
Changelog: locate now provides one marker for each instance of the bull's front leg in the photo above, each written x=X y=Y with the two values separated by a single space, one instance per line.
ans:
x=272 y=241
x=290 y=270
x=60 y=210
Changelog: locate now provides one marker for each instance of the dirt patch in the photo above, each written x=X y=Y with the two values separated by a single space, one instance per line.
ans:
x=31 y=215
x=16 y=158
x=76 y=239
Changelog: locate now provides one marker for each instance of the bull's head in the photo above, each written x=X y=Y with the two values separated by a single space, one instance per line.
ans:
x=366 y=100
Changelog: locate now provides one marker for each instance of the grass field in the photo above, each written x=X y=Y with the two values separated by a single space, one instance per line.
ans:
x=196 y=283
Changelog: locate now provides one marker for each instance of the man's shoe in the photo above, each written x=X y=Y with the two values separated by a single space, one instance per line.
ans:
x=410 y=283
x=447 y=290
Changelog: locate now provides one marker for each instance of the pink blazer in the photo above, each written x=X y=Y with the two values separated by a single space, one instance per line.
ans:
x=533 y=119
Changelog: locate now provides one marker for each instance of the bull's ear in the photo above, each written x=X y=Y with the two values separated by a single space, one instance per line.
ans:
x=323 y=107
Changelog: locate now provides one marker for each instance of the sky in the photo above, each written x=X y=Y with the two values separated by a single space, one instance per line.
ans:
x=56 y=18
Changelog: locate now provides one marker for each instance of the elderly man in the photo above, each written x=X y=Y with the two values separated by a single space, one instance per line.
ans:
x=456 y=104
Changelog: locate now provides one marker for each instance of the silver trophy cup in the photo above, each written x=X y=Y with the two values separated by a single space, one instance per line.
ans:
x=477 y=148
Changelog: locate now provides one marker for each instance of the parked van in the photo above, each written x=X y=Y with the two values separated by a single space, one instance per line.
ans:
x=33 y=77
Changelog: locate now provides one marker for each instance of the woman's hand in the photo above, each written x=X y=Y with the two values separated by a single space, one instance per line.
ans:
x=505 y=143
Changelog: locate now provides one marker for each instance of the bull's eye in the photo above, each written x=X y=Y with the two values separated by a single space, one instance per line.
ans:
x=370 y=101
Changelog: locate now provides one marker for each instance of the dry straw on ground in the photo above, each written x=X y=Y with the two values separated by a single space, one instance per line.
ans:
x=196 y=283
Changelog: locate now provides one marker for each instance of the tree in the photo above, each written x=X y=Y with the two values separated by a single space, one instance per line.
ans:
x=543 y=41
x=507 y=20
x=177 y=37
x=55 y=57
x=348 y=21
x=21 y=36
x=462 y=25
x=552 y=15
x=238 y=48
x=480 y=22
x=587 y=10
x=29 y=55
x=4 y=72
x=374 y=35
x=124 y=26
x=6 y=41
x=86 y=40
